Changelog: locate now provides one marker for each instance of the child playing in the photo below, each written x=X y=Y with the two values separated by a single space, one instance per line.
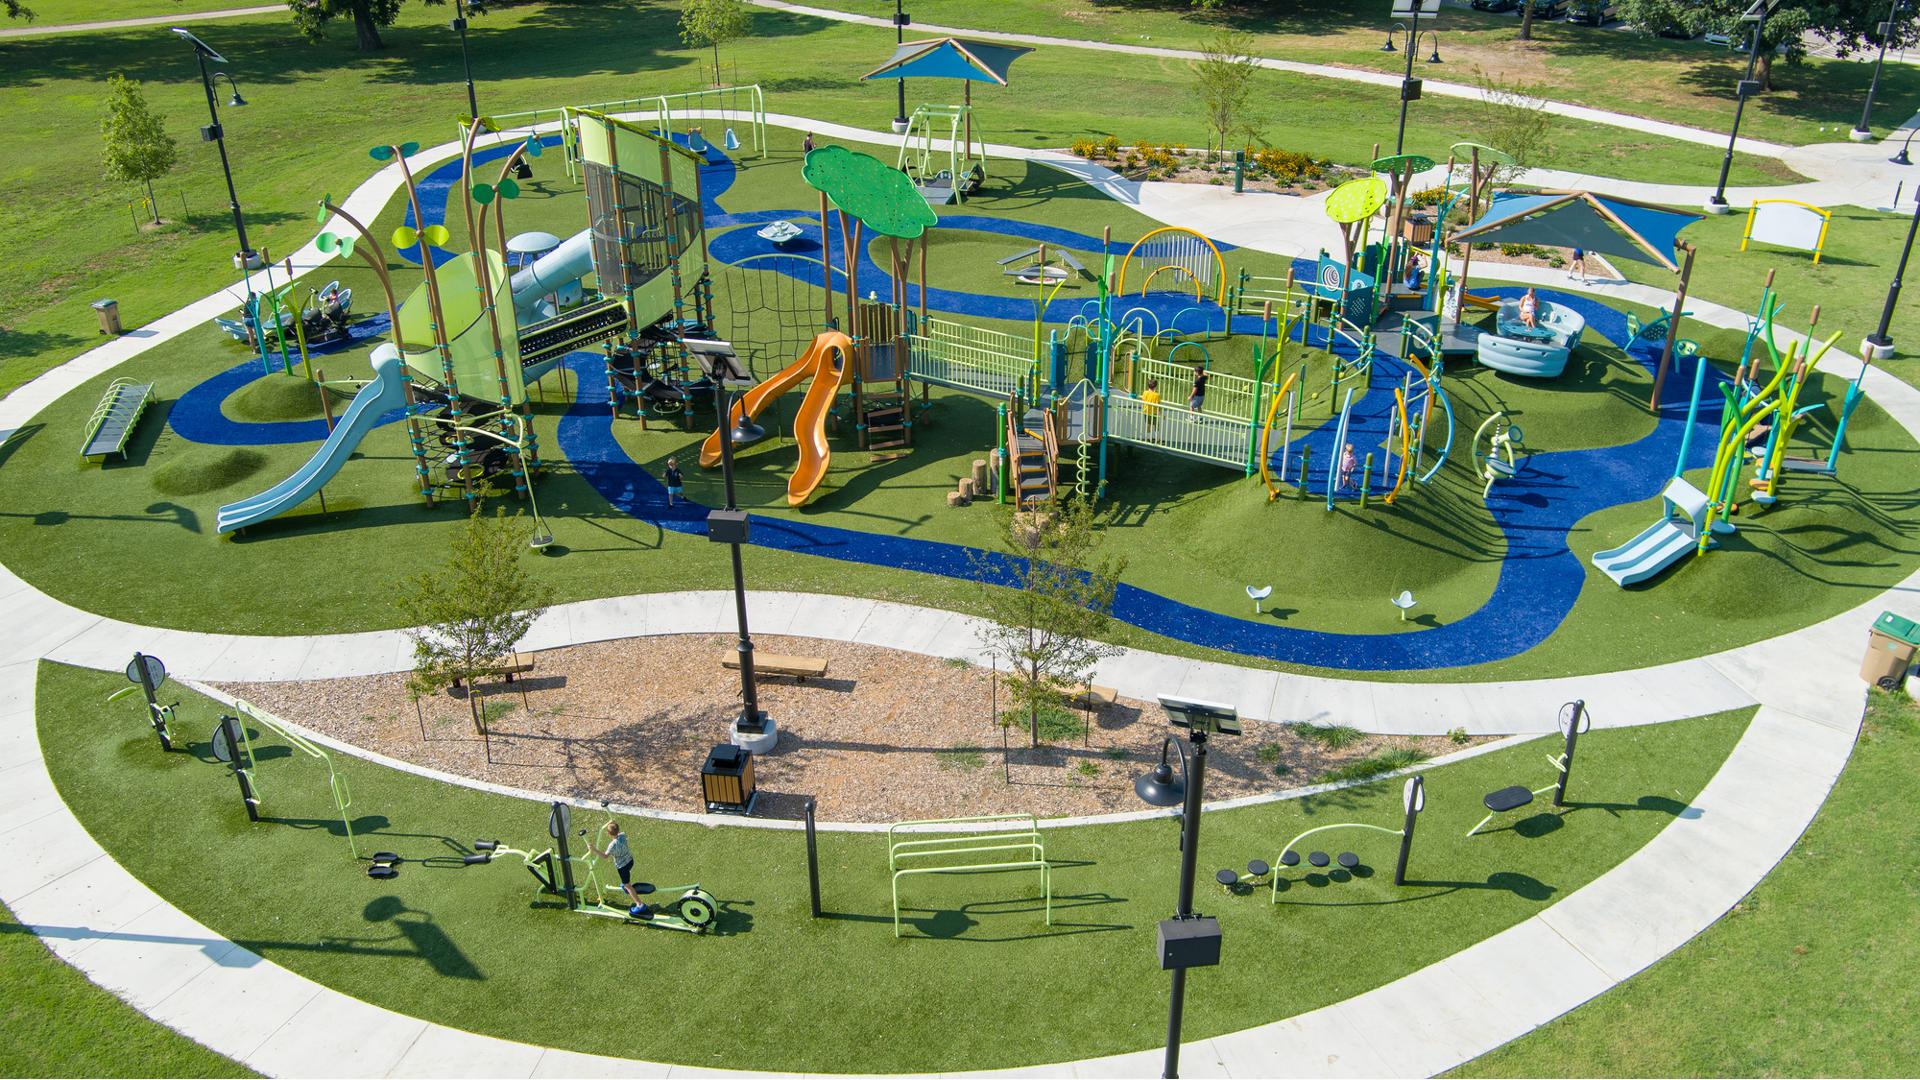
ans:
x=1199 y=393
x=1530 y=310
x=622 y=857
x=1579 y=264
x=673 y=480
x=1348 y=463
x=1150 y=404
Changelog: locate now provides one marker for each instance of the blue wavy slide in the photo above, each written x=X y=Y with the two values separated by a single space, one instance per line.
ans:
x=386 y=392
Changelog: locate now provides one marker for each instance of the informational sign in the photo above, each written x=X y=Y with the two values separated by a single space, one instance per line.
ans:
x=1787 y=223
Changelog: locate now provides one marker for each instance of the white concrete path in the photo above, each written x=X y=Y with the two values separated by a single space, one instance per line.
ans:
x=102 y=919
x=148 y=20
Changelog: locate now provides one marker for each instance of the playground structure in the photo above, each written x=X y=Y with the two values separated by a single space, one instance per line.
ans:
x=114 y=419
x=672 y=114
x=950 y=846
x=966 y=154
x=1539 y=351
x=471 y=337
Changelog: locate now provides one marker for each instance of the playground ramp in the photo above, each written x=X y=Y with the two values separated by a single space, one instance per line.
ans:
x=1661 y=545
x=385 y=393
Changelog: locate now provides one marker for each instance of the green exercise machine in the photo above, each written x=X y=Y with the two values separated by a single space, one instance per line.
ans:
x=586 y=892
x=147 y=674
x=233 y=744
x=1413 y=799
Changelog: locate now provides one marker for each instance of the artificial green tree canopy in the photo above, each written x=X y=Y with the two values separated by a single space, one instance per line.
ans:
x=881 y=196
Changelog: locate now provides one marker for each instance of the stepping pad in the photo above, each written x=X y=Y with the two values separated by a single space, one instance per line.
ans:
x=1289 y=858
x=1227 y=878
x=1317 y=858
x=1258 y=868
x=1347 y=860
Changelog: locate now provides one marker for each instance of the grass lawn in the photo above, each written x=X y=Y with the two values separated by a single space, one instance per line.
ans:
x=477 y=947
x=79 y=530
x=53 y=1022
x=51 y=13
x=1686 y=82
x=1849 y=283
x=307 y=129
x=1810 y=975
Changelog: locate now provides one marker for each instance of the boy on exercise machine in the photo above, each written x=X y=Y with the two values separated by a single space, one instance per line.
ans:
x=622 y=857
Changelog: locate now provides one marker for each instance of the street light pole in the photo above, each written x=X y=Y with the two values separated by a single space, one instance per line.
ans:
x=900 y=85
x=1757 y=14
x=1861 y=131
x=1183 y=908
x=1879 y=344
x=459 y=25
x=246 y=258
x=1408 y=89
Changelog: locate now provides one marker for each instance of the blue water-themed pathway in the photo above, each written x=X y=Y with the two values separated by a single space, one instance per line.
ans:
x=1539 y=581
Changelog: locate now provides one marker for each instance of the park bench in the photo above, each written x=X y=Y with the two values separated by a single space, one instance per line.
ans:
x=506 y=667
x=798 y=667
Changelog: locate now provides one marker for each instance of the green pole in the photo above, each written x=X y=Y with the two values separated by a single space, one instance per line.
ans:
x=1000 y=439
x=1366 y=475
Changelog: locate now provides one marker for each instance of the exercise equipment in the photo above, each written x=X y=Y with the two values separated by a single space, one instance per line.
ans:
x=147 y=673
x=1493 y=443
x=1413 y=799
x=1573 y=720
x=692 y=911
x=233 y=744
x=950 y=851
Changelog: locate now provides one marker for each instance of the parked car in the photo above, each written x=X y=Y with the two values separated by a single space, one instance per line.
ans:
x=1549 y=9
x=1494 y=5
x=1592 y=12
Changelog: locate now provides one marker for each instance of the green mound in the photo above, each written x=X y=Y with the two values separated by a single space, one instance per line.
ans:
x=207 y=469
x=276 y=397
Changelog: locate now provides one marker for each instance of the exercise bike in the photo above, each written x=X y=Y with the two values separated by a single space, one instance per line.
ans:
x=693 y=910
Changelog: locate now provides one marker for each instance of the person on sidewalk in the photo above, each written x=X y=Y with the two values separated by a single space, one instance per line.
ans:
x=806 y=144
x=1578 y=268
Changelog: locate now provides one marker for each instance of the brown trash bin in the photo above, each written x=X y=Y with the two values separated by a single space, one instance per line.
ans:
x=1890 y=649
x=109 y=312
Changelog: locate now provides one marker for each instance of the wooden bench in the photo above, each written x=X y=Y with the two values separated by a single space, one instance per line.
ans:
x=798 y=667
x=507 y=667
x=1090 y=695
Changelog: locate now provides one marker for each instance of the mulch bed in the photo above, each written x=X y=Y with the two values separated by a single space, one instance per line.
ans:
x=886 y=736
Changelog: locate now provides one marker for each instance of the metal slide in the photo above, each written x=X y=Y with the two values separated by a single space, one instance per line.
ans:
x=385 y=393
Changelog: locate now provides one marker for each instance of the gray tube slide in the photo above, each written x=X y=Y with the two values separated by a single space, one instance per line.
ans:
x=556 y=272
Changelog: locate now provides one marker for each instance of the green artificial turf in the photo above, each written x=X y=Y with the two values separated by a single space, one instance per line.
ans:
x=1810 y=975
x=1685 y=82
x=978 y=980
x=53 y=1022
x=1195 y=532
x=315 y=108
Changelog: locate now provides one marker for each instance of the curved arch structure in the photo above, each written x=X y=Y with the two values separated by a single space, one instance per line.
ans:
x=1183 y=250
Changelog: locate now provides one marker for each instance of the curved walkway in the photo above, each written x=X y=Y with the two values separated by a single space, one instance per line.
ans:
x=100 y=918
x=145 y=20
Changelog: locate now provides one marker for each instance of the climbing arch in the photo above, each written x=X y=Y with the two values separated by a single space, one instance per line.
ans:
x=1179 y=252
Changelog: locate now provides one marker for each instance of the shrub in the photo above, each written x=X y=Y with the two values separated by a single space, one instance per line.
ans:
x=1110 y=147
x=1288 y=166
x=1458 y=736
x=1085 y=148
x=1333 y=736
x=1386 y=761
x=1429 y=197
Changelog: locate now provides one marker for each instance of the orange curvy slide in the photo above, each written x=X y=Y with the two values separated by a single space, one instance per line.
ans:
x=825 y=362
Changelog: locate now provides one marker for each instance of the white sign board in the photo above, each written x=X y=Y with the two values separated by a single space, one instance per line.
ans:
x=1786 y=223
x=1405 y=9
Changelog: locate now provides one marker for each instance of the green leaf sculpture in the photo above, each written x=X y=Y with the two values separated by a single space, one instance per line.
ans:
x=881 y=196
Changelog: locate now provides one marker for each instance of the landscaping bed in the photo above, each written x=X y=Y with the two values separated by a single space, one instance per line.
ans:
x=886 y=736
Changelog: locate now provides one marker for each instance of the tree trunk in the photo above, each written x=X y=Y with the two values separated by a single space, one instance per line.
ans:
x=364 y=27
x=1764 y=72
x=716 y=64
x=1526 y=21
x=153 y=204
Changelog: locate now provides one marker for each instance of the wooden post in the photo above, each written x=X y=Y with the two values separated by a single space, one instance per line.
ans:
x=1673 y=330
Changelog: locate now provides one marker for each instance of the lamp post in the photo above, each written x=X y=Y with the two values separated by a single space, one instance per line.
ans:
x=1186 y=940
x=246 y=258
x=1879 y=344
x=753 y=730
x=900 y=21
x=459 y=26
x=1744 y=89
x=1409 y=86
x=1861 y=131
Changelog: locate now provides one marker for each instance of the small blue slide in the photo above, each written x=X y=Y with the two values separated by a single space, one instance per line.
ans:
x=385 y=393
x=1660 y=546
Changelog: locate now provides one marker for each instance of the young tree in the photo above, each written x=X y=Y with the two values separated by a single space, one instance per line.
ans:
x=138 y=148
x=1223 y=81
x=1526 y=20
x=369 y=17
x=1047 y=600
x=711 y=24
x=1511 y=119
x=472 y=611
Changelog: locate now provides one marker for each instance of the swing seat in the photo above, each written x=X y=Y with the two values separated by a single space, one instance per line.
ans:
x=1507 y=798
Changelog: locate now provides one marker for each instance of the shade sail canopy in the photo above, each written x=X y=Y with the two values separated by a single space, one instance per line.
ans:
x=950 y=58
x=1609 y=226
